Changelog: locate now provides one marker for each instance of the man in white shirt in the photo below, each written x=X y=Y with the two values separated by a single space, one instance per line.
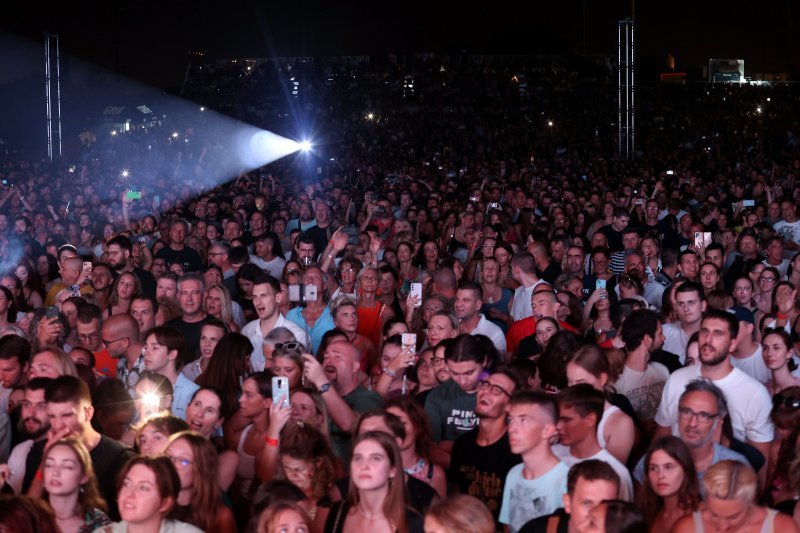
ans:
x=267 y=297
x=580 y=410
x=265 y=257
x=690 y=302
x=642 y=380
x=469 y=299
x=789 y=227
x=747 y=356
x=749 y=403
x=523 y=269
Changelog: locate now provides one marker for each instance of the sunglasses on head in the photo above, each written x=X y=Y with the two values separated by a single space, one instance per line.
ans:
x=792 y=403
x=292 y=345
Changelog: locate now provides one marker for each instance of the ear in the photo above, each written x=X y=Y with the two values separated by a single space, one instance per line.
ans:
x=703 y=305
x=565 y=499
x=604 y=378
x=279 y=297
x=172 y=355
x=166 y=505
x=88 y=412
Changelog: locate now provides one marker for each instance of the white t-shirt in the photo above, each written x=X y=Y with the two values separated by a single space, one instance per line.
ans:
x=491 y=330
x=749 y=403
x=643 y=389
x=783 y=267
x=626 y=484
x=753 y=365
x=675 y=340
x=252 y=330
x=521 y=307
x=789 y=231
x=526 y=499
x=274 y=267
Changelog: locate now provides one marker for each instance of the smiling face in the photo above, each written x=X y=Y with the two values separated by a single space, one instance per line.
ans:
x=139 y=500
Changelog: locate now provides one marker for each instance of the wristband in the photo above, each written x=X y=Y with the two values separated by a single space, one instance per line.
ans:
x=389 y=373
x=271 y=442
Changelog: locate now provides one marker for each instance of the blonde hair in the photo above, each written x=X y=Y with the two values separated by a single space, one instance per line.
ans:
x=462 y=513
x=730 y=480
x=226 y=314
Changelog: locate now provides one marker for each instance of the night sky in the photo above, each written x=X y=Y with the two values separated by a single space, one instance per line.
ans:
x=148 y=41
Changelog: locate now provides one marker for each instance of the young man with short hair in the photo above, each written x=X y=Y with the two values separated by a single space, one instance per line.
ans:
x=580 y=410
x=534 y=487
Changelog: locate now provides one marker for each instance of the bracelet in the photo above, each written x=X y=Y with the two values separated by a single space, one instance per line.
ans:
x=389 y=373
x=271 y=442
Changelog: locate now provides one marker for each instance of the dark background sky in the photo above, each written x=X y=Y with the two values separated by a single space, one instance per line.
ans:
x=148 y=41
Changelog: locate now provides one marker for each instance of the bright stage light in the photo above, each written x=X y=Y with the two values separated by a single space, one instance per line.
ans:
x=370 y=116
x=125 y=173
x=305 y=146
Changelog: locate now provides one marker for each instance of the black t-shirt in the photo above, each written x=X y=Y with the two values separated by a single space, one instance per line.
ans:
x=551 y=273
x=481 y=471
x=187 y=257
x=539 y=525
x=147 y=280
x=108 y=458
x=191 y=335
x=421 y=493
x=614 y=238
x=321 y=237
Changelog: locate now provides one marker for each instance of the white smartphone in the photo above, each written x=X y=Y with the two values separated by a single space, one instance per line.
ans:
x=280 y=390
x=310 y=293
x=416 y=290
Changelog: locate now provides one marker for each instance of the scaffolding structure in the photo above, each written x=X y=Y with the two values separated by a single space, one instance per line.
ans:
x=52 y=64
x=625 y=84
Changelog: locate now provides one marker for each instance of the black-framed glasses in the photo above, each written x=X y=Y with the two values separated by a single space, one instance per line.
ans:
x=702 y=416
x=109 y=342
x=791 y=403
x=496 y=390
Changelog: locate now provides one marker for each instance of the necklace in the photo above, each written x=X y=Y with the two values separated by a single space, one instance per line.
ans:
x=415 y=469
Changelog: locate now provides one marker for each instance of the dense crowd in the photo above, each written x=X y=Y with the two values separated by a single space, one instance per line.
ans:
x=463 y=314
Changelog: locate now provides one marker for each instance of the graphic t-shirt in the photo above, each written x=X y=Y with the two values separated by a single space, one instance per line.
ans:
x=451 y=411
x=481 y=471
x=526 y=499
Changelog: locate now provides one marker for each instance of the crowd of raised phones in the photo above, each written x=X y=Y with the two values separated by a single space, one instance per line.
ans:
x=472 y=317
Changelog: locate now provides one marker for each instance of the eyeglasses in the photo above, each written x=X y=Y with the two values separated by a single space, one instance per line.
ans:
x=702 y=416
x=792 y=403
x=496 y=390
x=88 y=336
x=436 y=361
x=742 y=289
x=107 y=342
x=179 y=462
x=762 y=279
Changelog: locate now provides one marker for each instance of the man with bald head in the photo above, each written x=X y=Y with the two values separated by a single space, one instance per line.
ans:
x=72 y=274
x=337 y=381
x=120 y=334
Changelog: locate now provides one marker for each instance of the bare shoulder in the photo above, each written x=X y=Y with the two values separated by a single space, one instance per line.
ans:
x=684 y=525
x=785 y=523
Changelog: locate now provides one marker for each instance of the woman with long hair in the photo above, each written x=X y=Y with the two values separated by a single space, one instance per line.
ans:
x=245 y=277
x=210 y=335
x=730 y=490
x=47 y=268
x=428 y=257
x=415 y=449
x=418 y=317
x=389 y=374
x=8 y=310
x=229 y=364
x=124 y=289
x=199 y=499
x=219 y=305
x=147 y=494
x=32 y=290
x=615 y=430
x=206 y=413
x=785 y=415
x=778 y=357
x=406 y=270
x=71 y=487
x=767 y=281
x=287 y=361
x=670 y=483
x=376 y=500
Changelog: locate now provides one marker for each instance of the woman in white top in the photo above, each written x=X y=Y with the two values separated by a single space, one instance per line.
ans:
x=615 y=431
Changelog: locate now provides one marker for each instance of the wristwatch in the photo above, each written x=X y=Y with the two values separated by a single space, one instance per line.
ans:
x=325 y=387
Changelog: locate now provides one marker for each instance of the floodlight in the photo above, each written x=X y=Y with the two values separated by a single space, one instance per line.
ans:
x=305 y=145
